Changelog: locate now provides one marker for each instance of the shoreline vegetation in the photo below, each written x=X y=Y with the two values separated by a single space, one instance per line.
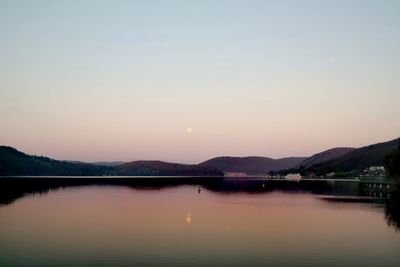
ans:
x=392 y=164
x=334 y=163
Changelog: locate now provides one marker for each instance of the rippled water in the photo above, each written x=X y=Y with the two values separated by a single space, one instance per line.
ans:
x=180 y=225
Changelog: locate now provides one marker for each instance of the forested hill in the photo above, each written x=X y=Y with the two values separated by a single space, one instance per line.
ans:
x=324 y=156
x=356 y=160
x=16 y=163
x=252 y=165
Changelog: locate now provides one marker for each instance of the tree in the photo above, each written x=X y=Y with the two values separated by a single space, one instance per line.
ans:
x=392 y=163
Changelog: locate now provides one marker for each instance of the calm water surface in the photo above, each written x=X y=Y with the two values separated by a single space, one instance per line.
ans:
x=116 y=225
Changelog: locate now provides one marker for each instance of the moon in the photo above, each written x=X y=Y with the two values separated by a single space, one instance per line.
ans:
x=189 y=130
x=189 y=218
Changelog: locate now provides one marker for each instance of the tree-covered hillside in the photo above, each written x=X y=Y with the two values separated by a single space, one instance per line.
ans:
x=392 y=163
x=16 y=163
x=355 y=161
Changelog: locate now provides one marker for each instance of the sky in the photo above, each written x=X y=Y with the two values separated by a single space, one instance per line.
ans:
x=184 y=81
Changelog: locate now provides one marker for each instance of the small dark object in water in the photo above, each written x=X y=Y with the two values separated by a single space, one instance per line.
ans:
x=199 y=189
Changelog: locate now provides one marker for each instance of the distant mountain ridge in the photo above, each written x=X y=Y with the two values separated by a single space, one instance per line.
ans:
x=354 y=161
x=160 y=168
x=252 y=165
x=326 y=155
x=341 y=161
x=16 y=163
x=108 y=163
x=98 y=163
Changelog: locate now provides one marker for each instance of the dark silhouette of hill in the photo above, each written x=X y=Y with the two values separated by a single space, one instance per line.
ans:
x=356 y=160
x=252 y=165
x=160 y=168
x=342 y=161
x=16 y=163
x=392 y=163
x=99 y=163
x=108 y=163
x=326 y=155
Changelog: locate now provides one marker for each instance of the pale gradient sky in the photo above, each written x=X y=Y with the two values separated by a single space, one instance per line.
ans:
x=124 y=80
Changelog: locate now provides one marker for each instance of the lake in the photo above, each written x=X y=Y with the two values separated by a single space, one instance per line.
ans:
x=195 y=222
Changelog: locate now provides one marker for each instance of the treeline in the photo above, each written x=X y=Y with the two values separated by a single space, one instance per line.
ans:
x=16 y=163
x=354 y=162
x=392 y=164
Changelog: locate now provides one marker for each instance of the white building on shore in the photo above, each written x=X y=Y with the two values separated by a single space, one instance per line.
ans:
x=293 y=177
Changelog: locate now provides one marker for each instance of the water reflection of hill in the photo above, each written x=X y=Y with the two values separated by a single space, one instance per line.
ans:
x=392 y=210
x=12 y=189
